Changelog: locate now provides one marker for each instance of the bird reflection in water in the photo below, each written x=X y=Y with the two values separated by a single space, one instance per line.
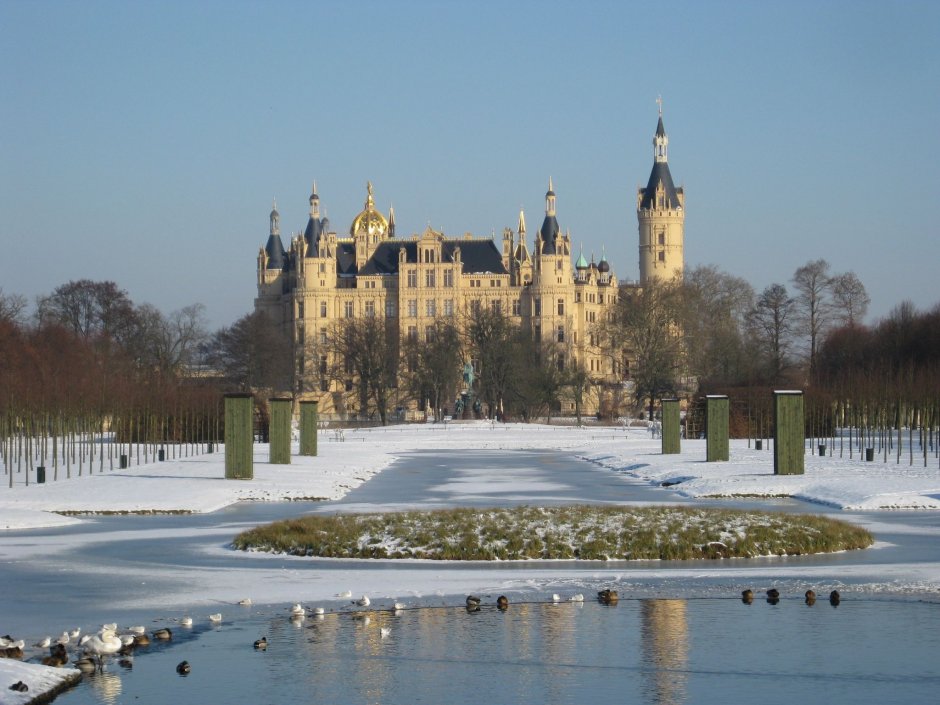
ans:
x=107 y=686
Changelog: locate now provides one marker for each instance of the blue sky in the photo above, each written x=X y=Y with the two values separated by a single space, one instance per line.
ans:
x=144 y=142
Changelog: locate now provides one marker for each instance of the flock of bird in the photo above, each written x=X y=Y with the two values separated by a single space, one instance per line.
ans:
x=773 y=597
x=91 y=650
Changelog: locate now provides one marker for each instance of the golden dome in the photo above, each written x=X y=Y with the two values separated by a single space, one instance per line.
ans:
x=370 y=220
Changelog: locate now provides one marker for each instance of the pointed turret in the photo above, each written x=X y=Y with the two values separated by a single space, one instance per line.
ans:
x=275 y=248
x=581 y=264
x=314 y=224
x=391 y=221
x=549 y=230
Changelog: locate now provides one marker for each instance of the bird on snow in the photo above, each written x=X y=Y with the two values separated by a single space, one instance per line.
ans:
x=186 y=622
x=576 y=598
x=215 y=618
x=110 y=625
x=345 y=593
x=63 y=639
x=136 y=630
x=75 y=633
x=43 y=643
x=298 y=610
x=364 y=601
x=246 y=602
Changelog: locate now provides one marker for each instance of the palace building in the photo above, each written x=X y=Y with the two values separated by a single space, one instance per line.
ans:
x=322 y=278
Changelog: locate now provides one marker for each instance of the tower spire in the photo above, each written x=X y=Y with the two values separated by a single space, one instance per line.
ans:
x=522 y=224
x=660 y=140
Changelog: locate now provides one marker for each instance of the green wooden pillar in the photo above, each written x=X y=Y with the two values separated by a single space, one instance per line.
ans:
x=789 y=432
x=281 y=414
x=716 y=428
x=309 y=420
x=670 y=430
x=239 y=432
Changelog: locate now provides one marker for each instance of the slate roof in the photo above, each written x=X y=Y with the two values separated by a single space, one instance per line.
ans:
x=660 y=173
x=478 y=256
x=548 y=232
x=312 y=235
x=275 y=250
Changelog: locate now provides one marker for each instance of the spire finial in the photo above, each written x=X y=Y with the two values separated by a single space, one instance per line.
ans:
x=659 y=101
x=550 y=187
x=314 y=192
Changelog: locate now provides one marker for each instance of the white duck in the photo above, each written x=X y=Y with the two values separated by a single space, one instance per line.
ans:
x=298 y=610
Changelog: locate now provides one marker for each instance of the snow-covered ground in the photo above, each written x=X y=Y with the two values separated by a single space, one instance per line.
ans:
x=197 y=484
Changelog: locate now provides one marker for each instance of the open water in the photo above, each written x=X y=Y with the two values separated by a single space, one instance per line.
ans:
x=700 y=646
x=665 y=651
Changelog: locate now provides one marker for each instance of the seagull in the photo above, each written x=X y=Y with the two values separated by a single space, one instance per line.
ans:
x=576 y=598
x=186 y=622
x=556 y=597
x=298 y=610
x=215 y=618
x=137 y=630
x=110 y=625
x=399 y=606
x=129 y=639
x=345 y=593
x=43 y=643
x=6 y=641
x=364 y=601
x=63 y=639
x=319 y=610
x=246 y=602
x=75 y=633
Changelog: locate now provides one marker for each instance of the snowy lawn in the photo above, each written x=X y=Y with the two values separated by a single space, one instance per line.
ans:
x=557 y=533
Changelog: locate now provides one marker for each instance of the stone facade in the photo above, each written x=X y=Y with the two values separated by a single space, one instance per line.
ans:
x=322 y=278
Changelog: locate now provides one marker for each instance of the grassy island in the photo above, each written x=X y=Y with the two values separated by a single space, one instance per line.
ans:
x=584 y=532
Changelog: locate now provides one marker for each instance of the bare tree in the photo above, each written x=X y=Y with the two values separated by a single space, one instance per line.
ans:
x=12 y=307
x=492 y=341
x=365 y=353
x=770 y=322
x=431 y=368
x=98 y=311
x=645 y=326
x=814 y=307
x=254 y=353
x=714 y=310
x=170 y=343
x=850 y=299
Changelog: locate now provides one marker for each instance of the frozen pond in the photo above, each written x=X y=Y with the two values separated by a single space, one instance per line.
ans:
x=700 y=646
